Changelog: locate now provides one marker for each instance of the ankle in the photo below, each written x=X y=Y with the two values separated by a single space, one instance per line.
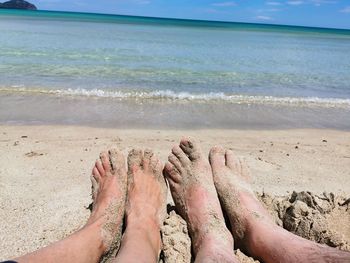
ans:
x=213 y=241
x=141 y=240
x=143 y=222
x=96 y=218
x=252 y=219
x=256 y=234
x=95 y=226
x=148 y=228
x=215 y=249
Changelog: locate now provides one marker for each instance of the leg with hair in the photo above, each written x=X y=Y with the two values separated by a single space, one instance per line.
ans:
x=192 y=187
x=105 y=223
x=145 y=209
x=252 y=227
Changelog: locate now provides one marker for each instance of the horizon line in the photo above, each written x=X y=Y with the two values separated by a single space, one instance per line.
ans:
x=184 y=19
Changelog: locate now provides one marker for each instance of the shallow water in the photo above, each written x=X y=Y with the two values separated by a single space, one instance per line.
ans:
x=205 y=67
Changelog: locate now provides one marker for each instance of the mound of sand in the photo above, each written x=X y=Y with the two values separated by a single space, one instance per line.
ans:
x=323 y=219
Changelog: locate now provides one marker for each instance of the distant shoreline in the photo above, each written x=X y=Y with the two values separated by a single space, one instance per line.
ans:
x=85 y=16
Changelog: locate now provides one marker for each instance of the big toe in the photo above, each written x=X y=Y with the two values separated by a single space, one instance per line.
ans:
x=135 y=159
x=117 y=161
x=116 y=158
x=153 y=163
x=217 y=157
x=104 y=157
x=191 y=148
x=232 y=161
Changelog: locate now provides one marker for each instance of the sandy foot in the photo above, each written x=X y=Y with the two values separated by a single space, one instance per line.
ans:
x=231 y=176
x=146 y=202
x=109 y=194
x=147 y=187
x=194 y=194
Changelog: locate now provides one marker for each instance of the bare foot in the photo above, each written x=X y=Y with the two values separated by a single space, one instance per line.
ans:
x=252 y=226
x=231 y=176
x=102 y=232
x=145 y=208
x=109 y=194
x=192 y=187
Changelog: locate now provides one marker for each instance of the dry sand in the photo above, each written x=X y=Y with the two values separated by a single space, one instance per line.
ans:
x=45 y=188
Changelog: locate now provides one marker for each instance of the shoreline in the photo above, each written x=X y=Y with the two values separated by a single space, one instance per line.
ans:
x=45 y=186
x=186 y=115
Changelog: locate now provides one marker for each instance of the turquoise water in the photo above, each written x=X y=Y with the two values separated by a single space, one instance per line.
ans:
x=80 y=55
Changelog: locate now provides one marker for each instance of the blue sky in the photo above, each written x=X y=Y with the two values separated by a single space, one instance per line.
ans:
x=320 y=13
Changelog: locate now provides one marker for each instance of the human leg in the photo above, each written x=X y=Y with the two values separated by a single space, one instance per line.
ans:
x=145 y=209
x=192 y=188
x=253 y=228
x=104 y=225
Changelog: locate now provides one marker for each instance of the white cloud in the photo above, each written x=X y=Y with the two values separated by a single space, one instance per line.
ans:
x=265 y=18
x=320 y=2
x=314 y=2
x=346 y=10
x=296 y=2
x=223 y=4
x=273 y=3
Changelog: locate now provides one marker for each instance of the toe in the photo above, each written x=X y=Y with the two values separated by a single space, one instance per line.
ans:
x=116 y=159
x=95 y=171
x=146 y=162
x=174 y=187
x=191 y=148
x=217 y=157
x=105 y=161
x=135 y=158
x=179 y=153
x=245 y=171
x=100 y=169
x=172 y=174
x=157 y=166
x=231 y=160
x=94 y=186
x=175 y=162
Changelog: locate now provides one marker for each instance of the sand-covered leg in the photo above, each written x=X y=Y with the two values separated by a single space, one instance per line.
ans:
x=192 y=187
x=252 y=226
x=145 y=209
x=112 y=175
x=231 y=176
x=103 y=229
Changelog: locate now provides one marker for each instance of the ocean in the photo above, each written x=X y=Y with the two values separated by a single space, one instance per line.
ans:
x=124 y=71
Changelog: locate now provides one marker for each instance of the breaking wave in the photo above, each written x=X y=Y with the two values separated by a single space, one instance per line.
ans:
x=168 y=95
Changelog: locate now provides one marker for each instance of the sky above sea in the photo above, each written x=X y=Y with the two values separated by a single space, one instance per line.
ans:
x=316 y=13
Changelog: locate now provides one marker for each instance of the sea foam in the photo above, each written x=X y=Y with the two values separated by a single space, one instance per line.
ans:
x=171 y=96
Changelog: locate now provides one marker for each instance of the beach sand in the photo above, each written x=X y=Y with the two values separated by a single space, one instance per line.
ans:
x=45 y=186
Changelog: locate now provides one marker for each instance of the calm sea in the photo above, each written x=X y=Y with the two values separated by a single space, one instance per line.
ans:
x=59 y=67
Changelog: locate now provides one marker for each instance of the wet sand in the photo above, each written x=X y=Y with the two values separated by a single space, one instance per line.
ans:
x=162 y=113
x=45 y=187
